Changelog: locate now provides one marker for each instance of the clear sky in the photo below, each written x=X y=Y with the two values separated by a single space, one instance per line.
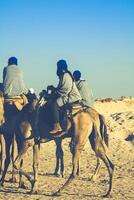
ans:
x=94 y=36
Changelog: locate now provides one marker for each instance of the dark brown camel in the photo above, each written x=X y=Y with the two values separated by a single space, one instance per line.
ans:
x=87 y=125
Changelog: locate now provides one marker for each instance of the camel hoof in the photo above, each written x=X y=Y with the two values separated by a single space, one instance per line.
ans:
x=13 y=180
x=32 y=184
x=56 y=174
x=56 y=194
x=23 y=186
x=1 y=184
x=107 y=196
x=33 y=192
x=92 y=178
x=34 y=189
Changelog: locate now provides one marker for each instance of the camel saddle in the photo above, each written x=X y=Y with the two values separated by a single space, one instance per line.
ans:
x=18 y=101
x=69 y=111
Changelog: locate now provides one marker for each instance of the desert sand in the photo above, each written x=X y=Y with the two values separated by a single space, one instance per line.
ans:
x=119 y=115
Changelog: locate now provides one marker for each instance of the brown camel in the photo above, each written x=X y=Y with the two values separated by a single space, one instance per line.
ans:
x=2 y=141
x=7 y=136
x=86 y=124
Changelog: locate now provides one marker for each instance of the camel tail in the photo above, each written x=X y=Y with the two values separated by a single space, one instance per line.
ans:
x=103 y=130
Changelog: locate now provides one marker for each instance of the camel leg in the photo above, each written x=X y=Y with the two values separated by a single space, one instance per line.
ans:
x=78 y=165
x=8 y=141
x=3 y=153
x=17 y=161
x=79 y=141
x=57 y=167
x=21 y=183
x=93 y=145
x=78 y=169
x=14 y=172
x=83 y=126
x=76 y=157
x=62 y=167
x=97 y=169
x=72 y=150
x=59 y=158
x=20 y=143
x=35 y=168
x=22 y=153
x=100 y=150
x=110 y=168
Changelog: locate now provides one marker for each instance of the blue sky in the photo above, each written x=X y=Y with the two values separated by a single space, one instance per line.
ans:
x=94 y=36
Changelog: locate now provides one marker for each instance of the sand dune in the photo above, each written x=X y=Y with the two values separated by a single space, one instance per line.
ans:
x=120 y=120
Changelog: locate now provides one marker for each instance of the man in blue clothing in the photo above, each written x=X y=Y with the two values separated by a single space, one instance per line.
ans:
x=13 y=88
x=66 y=92
x=84 y=89
x=13 y=83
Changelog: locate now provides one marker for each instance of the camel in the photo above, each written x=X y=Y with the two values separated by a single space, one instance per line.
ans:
x=12 y=137
x=7 y=139
x=85 y=125
x=2 y=141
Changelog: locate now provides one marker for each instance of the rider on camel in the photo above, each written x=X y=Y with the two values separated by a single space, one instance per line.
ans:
x=65 y=93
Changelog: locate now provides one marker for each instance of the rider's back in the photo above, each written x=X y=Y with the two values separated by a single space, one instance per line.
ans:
x=67 y=90
x=86 y=93
x=13 y=81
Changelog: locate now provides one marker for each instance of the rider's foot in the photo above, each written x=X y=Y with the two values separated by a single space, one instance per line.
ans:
x=57 y=128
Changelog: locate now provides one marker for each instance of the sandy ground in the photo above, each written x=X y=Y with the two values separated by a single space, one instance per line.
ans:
x=120 y=120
